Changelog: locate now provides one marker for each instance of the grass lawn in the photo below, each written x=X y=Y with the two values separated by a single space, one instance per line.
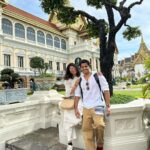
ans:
x=134 y=93
x=123 y=96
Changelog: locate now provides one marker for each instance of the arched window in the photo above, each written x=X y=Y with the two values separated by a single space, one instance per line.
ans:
x=63 y=44
x=57 y=42
x=30 y=34
x=49 y=40
x=40 y=37
x=19 y=30
x=7 y=26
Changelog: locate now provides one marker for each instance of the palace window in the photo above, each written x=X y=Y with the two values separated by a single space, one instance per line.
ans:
x=57 y=42
x=50 y=65
x=63 y=44
x=58 y=66
x=64 y=66
x=20 y=62
x=7 y=60
x=19 y=30
x=7 y=26
x=49 y=40
x=30 y=34
x=40 y=37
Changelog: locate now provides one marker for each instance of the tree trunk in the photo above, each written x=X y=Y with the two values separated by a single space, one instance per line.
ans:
x=106 y=56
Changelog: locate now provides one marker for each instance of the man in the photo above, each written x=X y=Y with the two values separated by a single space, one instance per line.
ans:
x=93 y=106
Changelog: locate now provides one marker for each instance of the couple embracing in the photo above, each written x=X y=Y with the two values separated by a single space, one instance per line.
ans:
x=93 y=91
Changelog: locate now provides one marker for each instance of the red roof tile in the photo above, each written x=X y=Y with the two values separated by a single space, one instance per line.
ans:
x=30 y=16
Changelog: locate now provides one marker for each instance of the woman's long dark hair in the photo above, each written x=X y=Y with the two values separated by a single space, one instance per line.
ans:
x=68 y=74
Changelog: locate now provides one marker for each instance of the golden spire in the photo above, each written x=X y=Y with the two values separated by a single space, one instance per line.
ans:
x=142 y=39
x=67 y=3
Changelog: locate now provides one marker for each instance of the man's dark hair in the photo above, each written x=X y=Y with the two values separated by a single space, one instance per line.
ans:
x=68 y=74
x=84 y=61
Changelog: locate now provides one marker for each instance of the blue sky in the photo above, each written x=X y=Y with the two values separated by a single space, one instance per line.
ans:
x=140 y=17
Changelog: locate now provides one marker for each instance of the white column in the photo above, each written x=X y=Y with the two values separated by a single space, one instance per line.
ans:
x=1 y=10
x=14 y=59
x=94 y=64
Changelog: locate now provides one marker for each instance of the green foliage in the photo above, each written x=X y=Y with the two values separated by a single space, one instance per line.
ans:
x=7 y=71
x=146 y=88
x=121 y=99
x=99 y=3
x=38 y=63
x=67 y=15
x=96 y=3
x=43 y=75
x=51 y=5
x=131 y=32
x=9 y=76
x=147 y=64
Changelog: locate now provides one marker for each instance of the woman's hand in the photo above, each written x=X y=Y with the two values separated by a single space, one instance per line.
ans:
x=99 y=73
x=77 y=113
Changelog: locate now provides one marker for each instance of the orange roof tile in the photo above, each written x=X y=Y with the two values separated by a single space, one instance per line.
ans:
x=30 y=16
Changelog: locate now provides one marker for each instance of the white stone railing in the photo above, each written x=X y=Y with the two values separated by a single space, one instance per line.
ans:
x=83 y=47
x=39 y=111
x=125 y=129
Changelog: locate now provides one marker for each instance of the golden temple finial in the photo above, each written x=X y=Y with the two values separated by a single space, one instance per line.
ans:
x=142 y=39
x=67 y=3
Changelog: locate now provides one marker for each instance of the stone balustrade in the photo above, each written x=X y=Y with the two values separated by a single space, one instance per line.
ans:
x=39 y=111
x=125 y=129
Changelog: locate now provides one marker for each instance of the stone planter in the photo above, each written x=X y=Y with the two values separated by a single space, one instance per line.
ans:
x=13 y=95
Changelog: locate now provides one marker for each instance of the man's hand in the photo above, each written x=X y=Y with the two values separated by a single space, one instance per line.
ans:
x=77 y=113
x=108 y=111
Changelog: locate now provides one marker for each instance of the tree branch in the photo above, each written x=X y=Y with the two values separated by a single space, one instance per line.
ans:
x=135 y=3
x=88 y=16
x=111 y=5
x=122 y=3
x=110 y=15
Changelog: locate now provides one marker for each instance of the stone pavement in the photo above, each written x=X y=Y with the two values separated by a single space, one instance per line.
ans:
x=43 y=139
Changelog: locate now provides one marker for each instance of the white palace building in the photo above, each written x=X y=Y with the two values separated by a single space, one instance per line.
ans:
x=23 y=36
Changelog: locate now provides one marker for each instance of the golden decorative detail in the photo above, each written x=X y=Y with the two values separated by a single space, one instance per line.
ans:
x=78 y=25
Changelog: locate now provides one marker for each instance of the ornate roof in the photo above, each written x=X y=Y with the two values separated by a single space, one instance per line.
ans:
x=24 y=16
x=143 y=53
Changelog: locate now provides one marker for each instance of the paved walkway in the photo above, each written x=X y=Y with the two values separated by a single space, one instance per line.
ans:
x=43 y=139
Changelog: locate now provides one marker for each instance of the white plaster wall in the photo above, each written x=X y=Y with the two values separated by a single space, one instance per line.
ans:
x=139 y=69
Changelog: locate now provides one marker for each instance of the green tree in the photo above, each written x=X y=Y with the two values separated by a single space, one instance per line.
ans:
x=37 y=63
x=10 y=76
x=105 y=29
x=146 y=88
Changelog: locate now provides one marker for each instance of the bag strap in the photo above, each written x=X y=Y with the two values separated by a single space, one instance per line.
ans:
x=80 y=79
x=98 y=82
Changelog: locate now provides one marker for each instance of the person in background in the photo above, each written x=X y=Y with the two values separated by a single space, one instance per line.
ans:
x=32 y=85
x=70 y=121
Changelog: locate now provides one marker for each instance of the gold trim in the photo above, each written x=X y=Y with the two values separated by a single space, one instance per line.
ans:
x=30 y=21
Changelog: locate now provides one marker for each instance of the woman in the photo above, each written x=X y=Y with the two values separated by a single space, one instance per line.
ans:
x=70 y=120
